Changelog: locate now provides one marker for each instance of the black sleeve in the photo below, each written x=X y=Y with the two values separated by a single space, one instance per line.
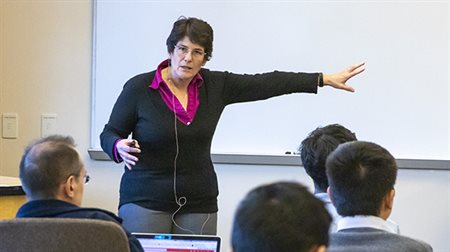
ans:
x=245 y=87
x=123 y=116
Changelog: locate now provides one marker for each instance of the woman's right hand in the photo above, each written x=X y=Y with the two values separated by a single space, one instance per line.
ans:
x=126 y=148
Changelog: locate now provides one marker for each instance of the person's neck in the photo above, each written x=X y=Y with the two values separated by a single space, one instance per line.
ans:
x=68 y=200
x=174 y=82
x=384 y=213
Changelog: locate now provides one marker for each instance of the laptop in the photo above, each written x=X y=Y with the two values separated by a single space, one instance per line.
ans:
x=178 y=242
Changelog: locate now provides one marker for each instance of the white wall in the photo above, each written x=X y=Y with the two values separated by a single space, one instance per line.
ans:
x=45 y=66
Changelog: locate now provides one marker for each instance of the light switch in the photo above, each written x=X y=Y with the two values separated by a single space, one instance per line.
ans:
x=9 y=125
x=48 y=124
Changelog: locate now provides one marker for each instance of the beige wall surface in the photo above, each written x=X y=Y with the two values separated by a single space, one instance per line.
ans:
x=45 y=67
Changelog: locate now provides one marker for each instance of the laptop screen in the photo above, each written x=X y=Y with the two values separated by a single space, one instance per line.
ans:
x=178 y=242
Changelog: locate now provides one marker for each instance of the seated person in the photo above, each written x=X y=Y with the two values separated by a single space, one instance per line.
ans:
x=280 y=217
x=314 y=151
x=362 y=177
x=53 y=177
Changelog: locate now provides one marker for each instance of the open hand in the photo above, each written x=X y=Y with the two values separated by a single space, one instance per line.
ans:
x=338 y=80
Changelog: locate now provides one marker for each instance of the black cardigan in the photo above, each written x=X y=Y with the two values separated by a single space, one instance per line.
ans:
x=141 y=111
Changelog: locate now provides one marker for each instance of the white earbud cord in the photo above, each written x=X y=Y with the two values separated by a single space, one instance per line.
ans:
x=182 y=200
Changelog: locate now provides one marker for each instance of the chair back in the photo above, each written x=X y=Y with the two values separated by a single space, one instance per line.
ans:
x=62 y=234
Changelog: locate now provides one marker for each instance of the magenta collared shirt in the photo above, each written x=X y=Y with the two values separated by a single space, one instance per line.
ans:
x=184 y=116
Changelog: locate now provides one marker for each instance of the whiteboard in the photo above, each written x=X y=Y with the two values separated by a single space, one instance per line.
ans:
x=401 y=100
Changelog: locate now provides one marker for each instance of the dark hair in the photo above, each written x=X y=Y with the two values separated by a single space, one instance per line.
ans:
x=315 y=149
x=360 y=175
x=282 y=216
x=46 y=163
x=197 y=30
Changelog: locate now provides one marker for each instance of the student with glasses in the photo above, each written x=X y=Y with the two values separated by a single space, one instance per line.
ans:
x=53 y=177
x=169 y=184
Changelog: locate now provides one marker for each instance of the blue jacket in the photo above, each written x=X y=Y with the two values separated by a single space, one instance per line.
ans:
x=61 y=209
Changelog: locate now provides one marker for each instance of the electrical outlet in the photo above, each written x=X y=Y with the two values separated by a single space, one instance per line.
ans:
x=48 y=124
x=9 y=125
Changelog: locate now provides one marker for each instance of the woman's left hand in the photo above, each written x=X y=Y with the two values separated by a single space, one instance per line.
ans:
x=338 y=80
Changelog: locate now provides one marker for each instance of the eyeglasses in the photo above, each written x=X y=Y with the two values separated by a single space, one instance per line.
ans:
x=182 y=51
x=87 y=178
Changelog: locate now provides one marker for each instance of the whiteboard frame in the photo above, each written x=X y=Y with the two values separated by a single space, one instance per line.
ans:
x=291 y=160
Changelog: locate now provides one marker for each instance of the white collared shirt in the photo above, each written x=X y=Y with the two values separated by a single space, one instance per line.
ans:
x=331 y=210
x=360 y=221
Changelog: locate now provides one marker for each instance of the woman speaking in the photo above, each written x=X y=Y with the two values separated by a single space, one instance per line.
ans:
x=169 y=184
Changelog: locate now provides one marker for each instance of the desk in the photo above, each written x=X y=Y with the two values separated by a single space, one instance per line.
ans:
x=11 y=197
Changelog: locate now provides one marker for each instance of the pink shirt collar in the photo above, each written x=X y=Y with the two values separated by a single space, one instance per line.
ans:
x=198 y=80
x=185 y=116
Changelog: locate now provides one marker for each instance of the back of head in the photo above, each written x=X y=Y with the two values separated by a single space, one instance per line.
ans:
x=46 y=163
x=197 y=30
x=360 y=175
x=315 y=149
x=282 y=216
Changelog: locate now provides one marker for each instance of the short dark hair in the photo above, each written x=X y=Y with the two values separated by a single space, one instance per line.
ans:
x=315 y=149
x=281 y=216
x=197 y=30
x=46 y=163
x=360 y=175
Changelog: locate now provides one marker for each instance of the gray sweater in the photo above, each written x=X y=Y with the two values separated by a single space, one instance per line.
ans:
x=373 y=240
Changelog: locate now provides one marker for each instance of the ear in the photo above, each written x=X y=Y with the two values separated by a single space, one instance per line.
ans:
x=389 y=200
x=330 y=194
x=321 y=248
x=387 y=204
x=69 y=187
